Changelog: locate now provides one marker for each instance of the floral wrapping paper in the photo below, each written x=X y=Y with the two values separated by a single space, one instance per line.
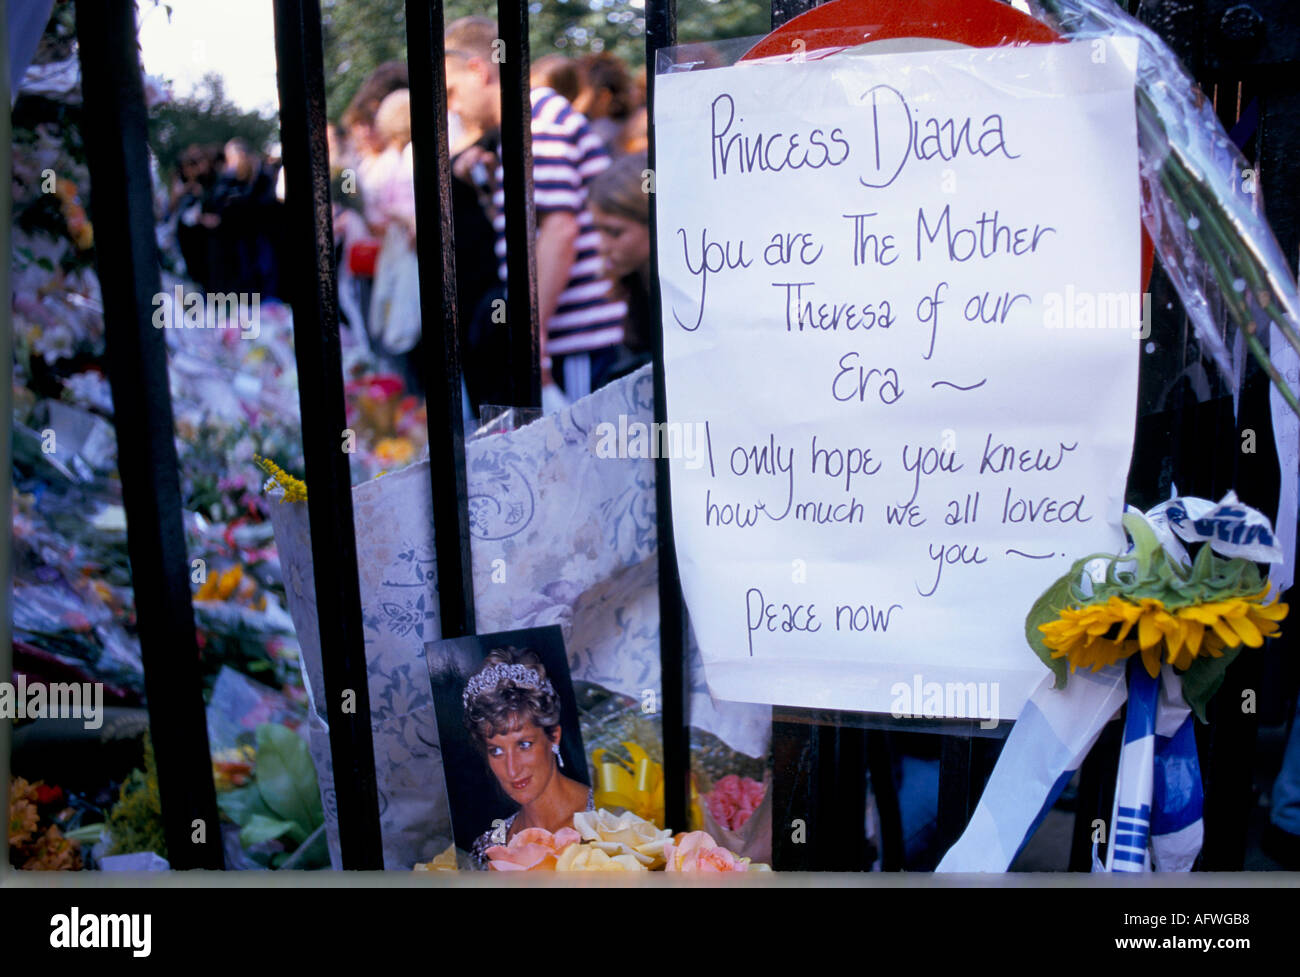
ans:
x=570 y=539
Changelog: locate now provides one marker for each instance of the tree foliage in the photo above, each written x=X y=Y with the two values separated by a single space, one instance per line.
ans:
x=205 y=117
x=362 y=34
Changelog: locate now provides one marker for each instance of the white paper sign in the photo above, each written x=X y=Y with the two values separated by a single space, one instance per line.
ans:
x=902 y=328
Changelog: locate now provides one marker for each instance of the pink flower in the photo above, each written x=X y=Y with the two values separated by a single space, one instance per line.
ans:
x=698 y=852
x=733 y=800
x=532 y=850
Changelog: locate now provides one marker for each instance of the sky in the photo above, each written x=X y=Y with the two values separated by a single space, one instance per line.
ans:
x=234 y=38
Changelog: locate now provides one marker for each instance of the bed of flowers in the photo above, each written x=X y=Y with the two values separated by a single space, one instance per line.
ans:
x=234 y=402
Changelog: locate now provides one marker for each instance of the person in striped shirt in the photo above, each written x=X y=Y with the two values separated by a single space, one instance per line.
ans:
x=581 y=321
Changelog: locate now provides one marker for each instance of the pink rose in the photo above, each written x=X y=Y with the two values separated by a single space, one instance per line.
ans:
x=532 y=850
x=696 y=851
x=721 y=808
x=733 y=800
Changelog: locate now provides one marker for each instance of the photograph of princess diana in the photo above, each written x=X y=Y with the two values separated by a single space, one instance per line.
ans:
x=511 y=745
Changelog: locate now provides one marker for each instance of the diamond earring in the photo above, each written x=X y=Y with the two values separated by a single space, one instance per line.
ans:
x=555 y=748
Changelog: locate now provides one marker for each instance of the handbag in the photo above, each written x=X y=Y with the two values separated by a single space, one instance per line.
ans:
x=395 y=302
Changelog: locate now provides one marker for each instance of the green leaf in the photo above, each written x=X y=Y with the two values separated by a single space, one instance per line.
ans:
x=286 y=777
x=243 y=804
x=1203 y=564
x=261 y=828
x=1145 y=542
x=1203 y=678
x=1047 y=608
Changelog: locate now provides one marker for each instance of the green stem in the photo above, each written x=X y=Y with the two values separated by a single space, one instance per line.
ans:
x=1210 y=211
x=1210 y=240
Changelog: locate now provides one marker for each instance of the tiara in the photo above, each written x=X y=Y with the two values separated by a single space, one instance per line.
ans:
x=494 y=675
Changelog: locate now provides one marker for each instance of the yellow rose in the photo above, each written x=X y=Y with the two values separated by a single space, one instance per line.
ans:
x=589 y=858
x=623 y=834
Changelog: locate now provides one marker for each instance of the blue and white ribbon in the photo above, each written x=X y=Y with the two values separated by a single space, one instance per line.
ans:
x=1156 y=818
x=1130 y=818
x=1044 y=749
x=1178 y=798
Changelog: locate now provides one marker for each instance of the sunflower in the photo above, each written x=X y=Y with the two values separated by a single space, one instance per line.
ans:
x=1236 y=621
x=1096 y=635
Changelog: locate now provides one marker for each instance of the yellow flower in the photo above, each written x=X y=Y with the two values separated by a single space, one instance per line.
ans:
x=395 y=451
x=1079 y=634
x=1098 y=635
x=623 y=834
x=221 y=586
x=589 y=858
x=1239 y=620
x=295 y=489
x=229 y=582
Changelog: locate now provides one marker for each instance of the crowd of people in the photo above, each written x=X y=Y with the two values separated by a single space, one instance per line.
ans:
x=226 y=210
x=593 y=244
x=592 y=263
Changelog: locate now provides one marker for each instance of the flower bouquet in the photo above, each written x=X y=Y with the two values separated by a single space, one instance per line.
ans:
x=738 y=811
x=1196 y=616
x=35 y=839
x=601 y=841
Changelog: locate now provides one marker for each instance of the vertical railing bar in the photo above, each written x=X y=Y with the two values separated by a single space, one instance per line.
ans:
x=786 y=10
x=115 y=126
x=954 y=789
x=524 y=363
x=661 y=32
x=436 y=253
x=6 y=410
x=312 y=289
x=880 y=765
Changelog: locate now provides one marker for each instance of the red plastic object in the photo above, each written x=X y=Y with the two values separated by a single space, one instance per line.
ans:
x=362 y=256
x=974 y=23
